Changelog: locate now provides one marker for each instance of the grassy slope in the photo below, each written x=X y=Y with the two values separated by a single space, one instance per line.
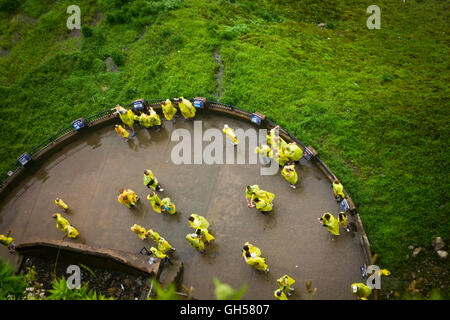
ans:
x=372 y=102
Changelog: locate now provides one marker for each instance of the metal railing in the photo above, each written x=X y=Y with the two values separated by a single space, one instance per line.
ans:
x=36 y=150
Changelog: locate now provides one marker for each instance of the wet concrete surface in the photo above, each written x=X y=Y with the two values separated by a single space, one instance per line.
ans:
x=88 y=173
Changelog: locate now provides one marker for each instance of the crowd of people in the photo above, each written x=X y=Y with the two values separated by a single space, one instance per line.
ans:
x=287 y=155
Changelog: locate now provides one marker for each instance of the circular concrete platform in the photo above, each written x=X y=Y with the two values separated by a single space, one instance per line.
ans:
x=88 y=173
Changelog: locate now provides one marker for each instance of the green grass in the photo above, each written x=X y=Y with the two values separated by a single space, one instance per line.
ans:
x=374 y=103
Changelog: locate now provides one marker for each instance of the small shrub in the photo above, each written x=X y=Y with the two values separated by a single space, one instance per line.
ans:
x=86 y=31
x=118 y=57
x=9 y=6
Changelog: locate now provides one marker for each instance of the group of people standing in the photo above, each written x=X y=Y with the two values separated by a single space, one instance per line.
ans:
x=285 y=154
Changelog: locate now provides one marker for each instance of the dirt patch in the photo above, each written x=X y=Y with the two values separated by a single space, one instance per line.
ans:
x=110 y=65
x=114 y=284
x=219 y=74
x=100 y=16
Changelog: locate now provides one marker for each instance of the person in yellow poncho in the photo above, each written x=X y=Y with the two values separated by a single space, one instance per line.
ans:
x=167 y=206
x=153 y=235
x=204 y=235
x=264 y=151
x=64 y=225
x=155 y=201
x=140 y=231
x=196 y=221
x=361 y=291
x=61 y=204
x=250 y=192
x=71 y=232
x=338 y=190
x=293 y=151
x=61 y=223
x=150 y=180
x=290 y=174
x=272 y=139
x=158 y=253
x=230 y=134
x=258 y=263
x=121 y=131
x=154 y=119
x=281 y=157
x=279 y=294
x=330 y=222
x=127 y=197
x=127 y=117
x=144 y=120
x=263 y=205
x=8 y=241
x=254 y=251
x=164 y=246
x=265 y=195
x=186 y=108
x=343 y=221
x=168 y=109
x=285 y=284
x=196 y=242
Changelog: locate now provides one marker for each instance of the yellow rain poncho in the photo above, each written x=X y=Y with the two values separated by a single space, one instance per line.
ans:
x=361 y=290
x=167 y=204
x=258 y=263
x=285 y=283
x=186 y=108
x=61 y=204
x=293 y=151
x=131 y=196
x=263 y=205
x=123 y=199
x=338 y=190
x=153 y=235
x=282 y=157
x=195 y=242
x=199 y=222
x=144 y=120
x=5 y=240
x=127 y=116
x=71 y=232
x=121 y=131
x=61 y=223
x=157 y=253
x=163 y=245
x=154 y=118
x=205 y=234
x=230 y=134
x=279 y=294
x=155 y=202
x=140 y=231
x=264 y=195
x=168 y=109
x=290 y=174
x=253 y=189
x=384 y=272
x=150 y=178
x=263 y=150
x=271 y=140
x=342 y=217
x=332 y=224
x=254 y=251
